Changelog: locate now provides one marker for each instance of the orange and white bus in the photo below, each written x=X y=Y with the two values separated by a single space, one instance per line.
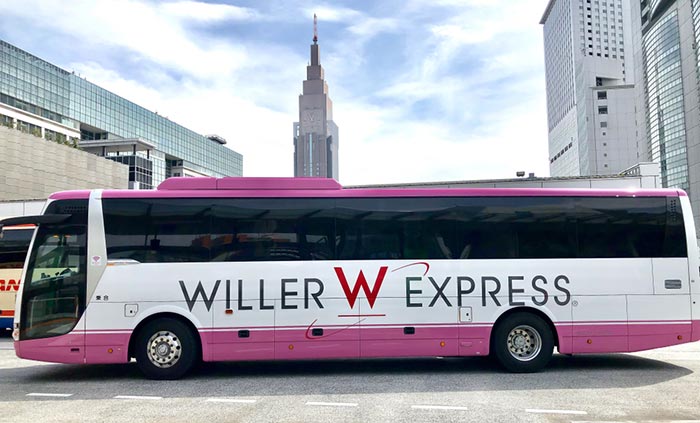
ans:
x=301 y=268
x=14 y=243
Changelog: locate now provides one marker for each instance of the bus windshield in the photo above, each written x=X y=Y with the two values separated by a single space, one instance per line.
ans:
x=54 y=290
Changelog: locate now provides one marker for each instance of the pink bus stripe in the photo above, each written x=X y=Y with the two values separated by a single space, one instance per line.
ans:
x=361 y=341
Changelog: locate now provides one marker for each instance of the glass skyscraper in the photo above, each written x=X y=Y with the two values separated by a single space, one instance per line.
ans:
x=666 y=36
x=69 y=107
x=664 y=91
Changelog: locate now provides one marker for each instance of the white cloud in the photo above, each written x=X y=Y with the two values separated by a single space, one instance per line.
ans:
x=368 y=27
x=262 y=135
x=208 y=12
x=139 y=27
x=388 y=148
x=328 y=13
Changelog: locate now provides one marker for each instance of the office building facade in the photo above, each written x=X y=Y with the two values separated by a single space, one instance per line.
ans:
x=666 y=40
x=34 y=168
x=315 y=134
x=41 y=98
x=590 y=87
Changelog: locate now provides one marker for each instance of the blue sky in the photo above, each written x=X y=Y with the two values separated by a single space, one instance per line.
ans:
x=422 y=90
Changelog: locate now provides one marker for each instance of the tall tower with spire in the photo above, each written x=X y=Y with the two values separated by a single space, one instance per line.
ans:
x=315 y=134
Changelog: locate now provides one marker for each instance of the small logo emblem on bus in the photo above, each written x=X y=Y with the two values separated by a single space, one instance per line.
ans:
x=96 y=260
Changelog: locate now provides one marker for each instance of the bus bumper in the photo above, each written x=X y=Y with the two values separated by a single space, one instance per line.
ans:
x=60 y=349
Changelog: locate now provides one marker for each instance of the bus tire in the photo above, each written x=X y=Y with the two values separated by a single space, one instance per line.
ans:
x=165 y=349
x=522 y=343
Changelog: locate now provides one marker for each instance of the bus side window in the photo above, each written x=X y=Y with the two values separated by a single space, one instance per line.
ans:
x=609 y=227
x=267 y=229
x=157 y=230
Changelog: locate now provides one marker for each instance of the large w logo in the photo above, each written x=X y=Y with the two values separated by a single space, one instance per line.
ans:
x=199 y=292
x=361 y=282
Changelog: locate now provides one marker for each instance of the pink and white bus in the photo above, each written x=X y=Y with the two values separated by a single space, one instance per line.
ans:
x=285 y=269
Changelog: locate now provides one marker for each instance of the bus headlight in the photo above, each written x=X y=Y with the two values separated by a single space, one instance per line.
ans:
x=15 y=332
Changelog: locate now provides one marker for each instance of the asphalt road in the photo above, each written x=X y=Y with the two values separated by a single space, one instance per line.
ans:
x=660 y=386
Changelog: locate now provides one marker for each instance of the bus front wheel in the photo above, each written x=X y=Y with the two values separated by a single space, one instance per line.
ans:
x=522 y=343
x=165 y=349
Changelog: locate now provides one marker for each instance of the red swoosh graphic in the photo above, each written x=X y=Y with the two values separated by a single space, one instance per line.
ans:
x=326 y=335
x=424 y=263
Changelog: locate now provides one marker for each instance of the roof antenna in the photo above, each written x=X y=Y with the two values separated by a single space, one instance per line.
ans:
x=315 y=30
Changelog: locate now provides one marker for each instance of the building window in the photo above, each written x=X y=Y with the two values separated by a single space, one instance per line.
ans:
x=28 y=128
x=603 y=124
x=7 y=121
x=602 y=95
x=603 y=110
x=55 y=136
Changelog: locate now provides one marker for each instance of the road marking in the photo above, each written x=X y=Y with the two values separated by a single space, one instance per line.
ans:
x=231 y=400
x=42 y=394
x=439 y=407
x=137 y=397
x=533 y=410
x=333 y=404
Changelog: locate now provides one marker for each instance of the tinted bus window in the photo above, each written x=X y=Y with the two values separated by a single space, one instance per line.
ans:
x=515 y=227
x=629 y=227
x=675 y=244
x=621 y=227
x=172 y=230
x=394 y=228
x=158 y=230
x=272 y=229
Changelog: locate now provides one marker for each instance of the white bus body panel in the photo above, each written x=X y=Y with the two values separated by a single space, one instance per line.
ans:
x=411 y=315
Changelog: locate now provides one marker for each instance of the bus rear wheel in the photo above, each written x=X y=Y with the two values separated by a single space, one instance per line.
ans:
x=522 y=343
x=165 y=349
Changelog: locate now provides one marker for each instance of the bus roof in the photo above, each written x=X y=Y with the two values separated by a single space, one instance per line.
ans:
x=246 y=187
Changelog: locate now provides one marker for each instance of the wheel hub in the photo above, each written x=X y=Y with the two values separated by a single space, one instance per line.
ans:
x=164 y=349
x=524 y=343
